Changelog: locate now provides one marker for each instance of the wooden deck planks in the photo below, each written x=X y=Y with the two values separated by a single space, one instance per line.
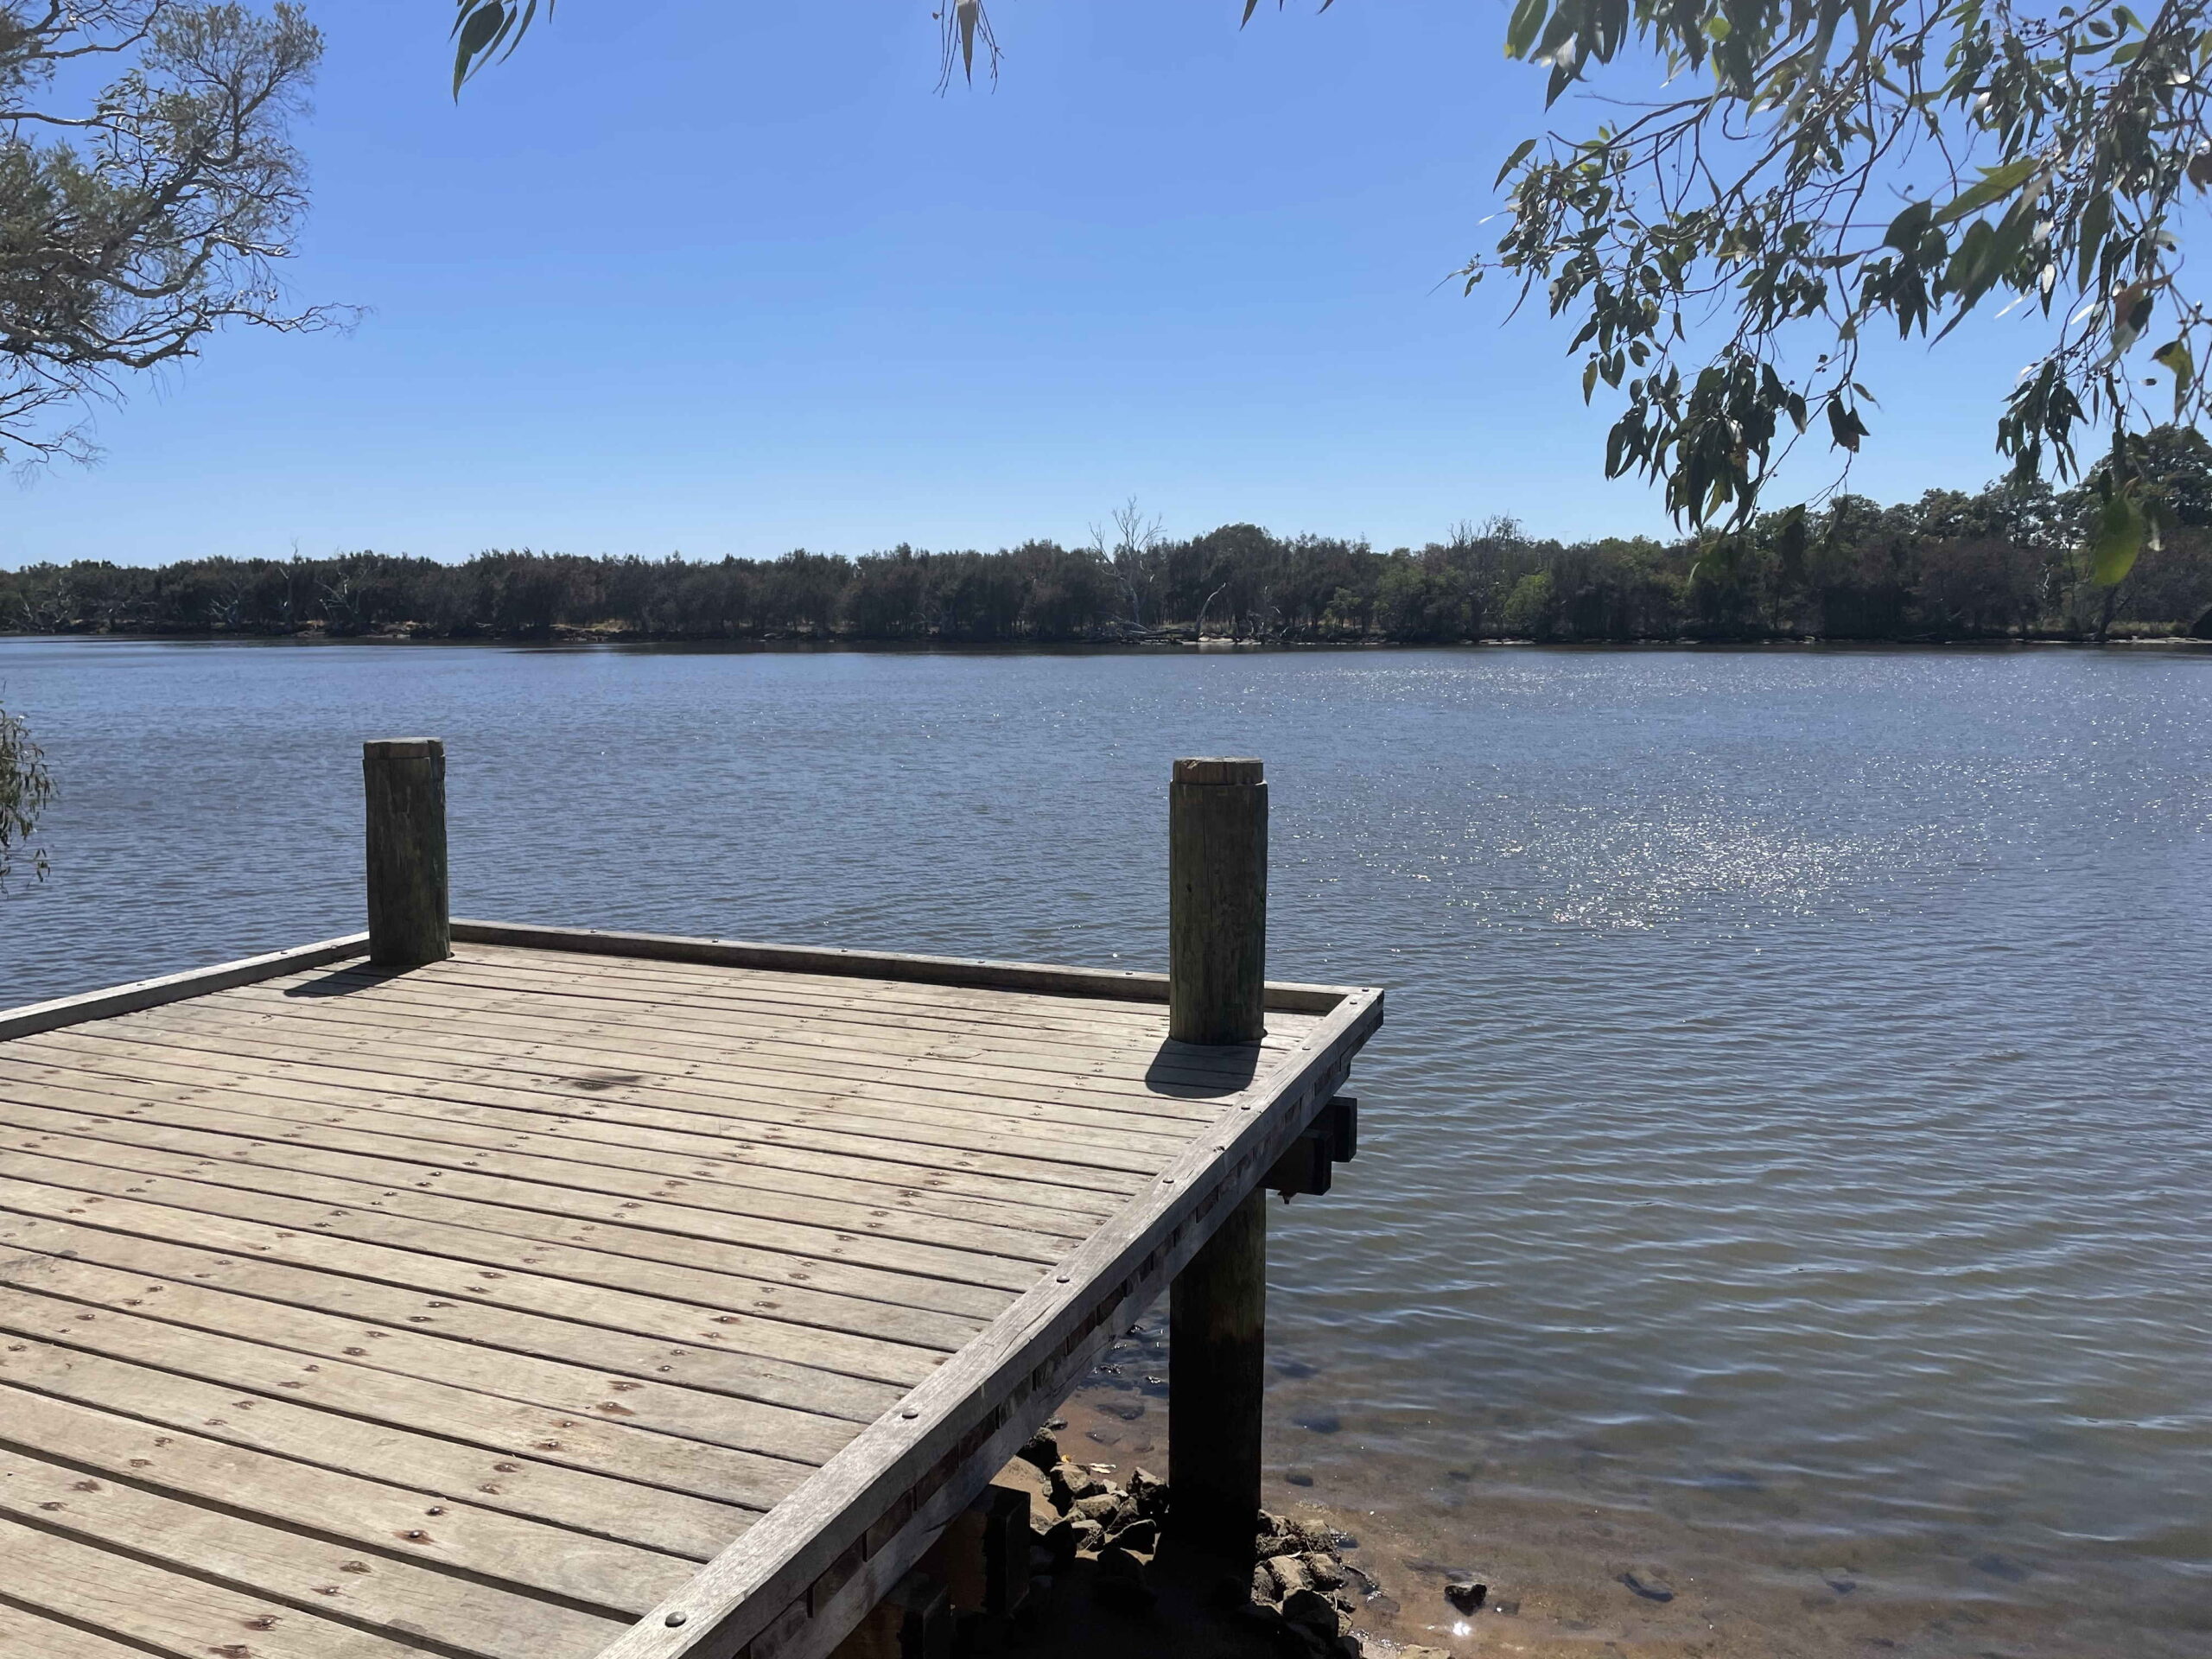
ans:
x=651 y=992
x=567 y=1098
x=628 y=1138
x=582 y=1464
x=26 y=1632
x=563 y=1390
x=867 y=1027
x=366 y=1514
x=472 y=1309
x=170 y=1613
x=1133 y=1085
x=308 y=1575
x=869 y=1115
x=577 y=1281
x=804 y=1020
x=593 y=1505
x=847 y=1244
x=615 y=1355
x=901 y=1092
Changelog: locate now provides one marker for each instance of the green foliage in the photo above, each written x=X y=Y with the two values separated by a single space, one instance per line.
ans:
x=481 y=28
x=2003 y=562
x=1724 y=251
x=1527 y=610
x=2116 y=540
x=157 y=215
x=25 y=789
x=1424 y=597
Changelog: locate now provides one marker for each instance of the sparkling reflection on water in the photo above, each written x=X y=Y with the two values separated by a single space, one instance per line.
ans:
x=1791 y=1126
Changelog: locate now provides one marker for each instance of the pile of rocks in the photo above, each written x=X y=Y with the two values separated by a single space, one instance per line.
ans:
x=1303 y=1588
x=1301 y=1591
x=1116 y=1526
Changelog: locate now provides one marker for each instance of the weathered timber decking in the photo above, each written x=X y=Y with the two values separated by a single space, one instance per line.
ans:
x=581 y=1294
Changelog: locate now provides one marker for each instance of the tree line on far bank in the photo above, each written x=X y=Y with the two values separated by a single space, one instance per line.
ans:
x=2006 y=563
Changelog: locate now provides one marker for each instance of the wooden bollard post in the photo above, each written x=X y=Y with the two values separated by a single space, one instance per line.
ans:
x=405 y=781
x=1217 y=902
x=1217 y=968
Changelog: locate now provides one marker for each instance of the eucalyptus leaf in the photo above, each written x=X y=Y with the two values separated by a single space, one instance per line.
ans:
x=1997 y=183
x=2181 y=364
x=2117 y=541
x=1526 y=24
x=478 y=30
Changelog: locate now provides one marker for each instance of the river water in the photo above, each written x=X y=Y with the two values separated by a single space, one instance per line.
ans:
x=1784 y=1173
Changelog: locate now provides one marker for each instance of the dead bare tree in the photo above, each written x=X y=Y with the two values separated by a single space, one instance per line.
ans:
x=1133 y=553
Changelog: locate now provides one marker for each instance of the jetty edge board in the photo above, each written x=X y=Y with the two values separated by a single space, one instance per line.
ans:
x=258 y=1431
x=35 y=1017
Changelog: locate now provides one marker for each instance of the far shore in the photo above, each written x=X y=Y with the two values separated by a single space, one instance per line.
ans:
x=588 y=639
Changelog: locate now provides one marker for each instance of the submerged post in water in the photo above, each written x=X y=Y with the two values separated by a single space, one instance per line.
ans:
x=1217 y=931
x=405 y=781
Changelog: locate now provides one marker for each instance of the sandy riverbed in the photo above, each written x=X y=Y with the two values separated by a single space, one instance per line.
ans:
x=1559 y=1576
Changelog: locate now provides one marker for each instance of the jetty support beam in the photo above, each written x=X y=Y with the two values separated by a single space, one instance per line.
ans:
x=409 y=920
x=1305 y=1169
x=1217 y=927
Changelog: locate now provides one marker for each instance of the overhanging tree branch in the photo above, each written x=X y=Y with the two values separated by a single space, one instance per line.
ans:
x=162 y=214
x=1840 y=165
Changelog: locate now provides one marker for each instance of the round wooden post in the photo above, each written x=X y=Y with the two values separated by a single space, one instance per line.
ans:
x=1217 y=927
x=1217 y=901
x=1216 y=1352
x=405 y=781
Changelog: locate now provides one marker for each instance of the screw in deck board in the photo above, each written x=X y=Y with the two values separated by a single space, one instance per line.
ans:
x=1217 y=927
x=405 y=781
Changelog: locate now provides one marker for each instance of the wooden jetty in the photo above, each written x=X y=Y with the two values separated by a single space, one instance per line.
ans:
x=503 y=1292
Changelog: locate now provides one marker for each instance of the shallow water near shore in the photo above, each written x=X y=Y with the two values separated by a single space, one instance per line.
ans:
x=1783 y=1176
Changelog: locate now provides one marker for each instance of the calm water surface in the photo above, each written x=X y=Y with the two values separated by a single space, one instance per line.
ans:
x=1788 y=1151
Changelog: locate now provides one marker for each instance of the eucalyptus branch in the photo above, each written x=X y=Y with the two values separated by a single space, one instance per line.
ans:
x=2043 y=158
x=1846 y=165
x=163 y=215
x=26 y=788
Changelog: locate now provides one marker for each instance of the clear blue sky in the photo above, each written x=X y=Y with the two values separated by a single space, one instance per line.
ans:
x=716 y=277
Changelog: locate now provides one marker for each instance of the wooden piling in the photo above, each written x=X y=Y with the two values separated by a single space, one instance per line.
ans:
x=1217 y=901
x=405 y=782
x=982 y=1555
x=913 y=1622
x=1218 y=921
x=1216 y=1356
